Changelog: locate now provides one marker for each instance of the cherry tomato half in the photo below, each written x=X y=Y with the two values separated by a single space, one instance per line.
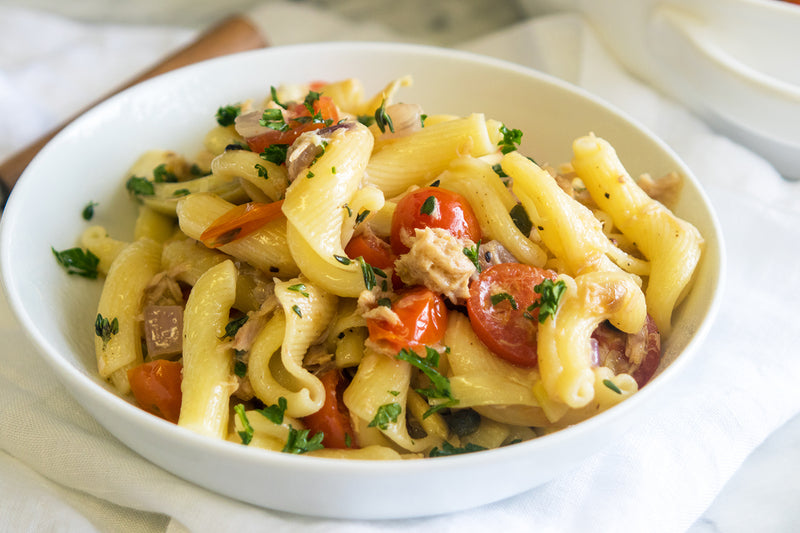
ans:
x=375 y=251
x=423 y=320
x=156 y=385
x=505 y=325
x=295 y=119
x=432 y=207
x=333 y=419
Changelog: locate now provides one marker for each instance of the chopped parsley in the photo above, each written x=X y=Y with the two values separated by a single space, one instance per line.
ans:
x=611 y=385
x=162 y=175
x=511 y=139
x=500 y=296
x=298 y=441
x=232 y=327
x=78 y=262
x=342 y=259
x=385 y=415
x=247 y=434
x=104 y=328
x=362 y=216
x=440 y=385
x=521 y=220
x=551 y=296
x=299 y=287
x=262 y=171
x=274 y=92
x=275 y=153
x=472 y=255
x=181 y=192
x=226 y=115
x=382 y=118
x=297 y=310
x=367 y=271
x=274 y=413
x=428 y=206
x=88 y=211
x=449 y=449
x=498 y=169
x=140 y=186
x=240 y=368
x=273 y=119
x=366 y=120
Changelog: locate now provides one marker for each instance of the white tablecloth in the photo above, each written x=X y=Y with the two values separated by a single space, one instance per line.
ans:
x=59 y=470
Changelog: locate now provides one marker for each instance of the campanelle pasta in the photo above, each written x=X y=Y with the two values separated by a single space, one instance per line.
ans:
x=342 y=276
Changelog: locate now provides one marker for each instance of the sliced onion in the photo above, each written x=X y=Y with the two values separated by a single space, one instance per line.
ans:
x=406 y=119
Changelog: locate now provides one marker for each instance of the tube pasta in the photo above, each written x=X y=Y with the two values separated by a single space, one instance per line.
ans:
x=208 y=379
x=121 y=300
x=302 y=310
x=672 y=245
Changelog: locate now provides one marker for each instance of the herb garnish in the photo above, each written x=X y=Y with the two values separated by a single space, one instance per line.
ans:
x=472 y=255
x=551 y=295
x=274 y=93
x=299 y=287
x=105 y=329
x=297 y=310
x=385 y=415
x=232 y=327
x=88 y=211
x=140 y=186
x=611 y=385
x=226 y=115
x=275 y=153
x=298 y=441
x=428 y=206
x=521 y=220
x=78 y=261
x=362 y=216
x=273 y=119
x=449 y=449
x=382 y=118
x=500 y=296
x=274 y=413
x=247 y=434
x=162 y=175
x=511 y=139
x=440 y=385
x=240 y=368
x=262 y=171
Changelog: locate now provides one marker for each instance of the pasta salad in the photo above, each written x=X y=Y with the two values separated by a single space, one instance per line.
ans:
x=341 y=275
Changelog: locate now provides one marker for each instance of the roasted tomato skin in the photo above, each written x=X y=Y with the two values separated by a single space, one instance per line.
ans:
x=423 y=321
x=505 y=326
x=449 y=211
x=333 y=419
x=156 y=385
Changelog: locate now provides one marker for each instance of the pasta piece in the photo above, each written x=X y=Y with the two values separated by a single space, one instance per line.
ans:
x=268 y=178
x=96 y=240
x=316 y=210
x=380 y=387
x=489 y=384
x=153 y=225
x=564 y=340
x=219 y=138
x=418 y=158
x=266 y=249
x=672 y=245
x=568 y=229
x=492 y=202
x=121 y=301
x=208 y=379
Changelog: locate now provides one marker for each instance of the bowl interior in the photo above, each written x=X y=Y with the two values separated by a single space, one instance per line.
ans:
x=87 y=162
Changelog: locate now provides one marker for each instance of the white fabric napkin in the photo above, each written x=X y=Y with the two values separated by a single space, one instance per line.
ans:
x=60 y=470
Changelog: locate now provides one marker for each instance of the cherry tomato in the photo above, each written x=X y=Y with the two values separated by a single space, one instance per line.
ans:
x=423 y=320
x=294 y=117
x=505 y=326
x=333 y=419
x=239 y=222
x=156 y=385
x=375 y=251
x=432 y=207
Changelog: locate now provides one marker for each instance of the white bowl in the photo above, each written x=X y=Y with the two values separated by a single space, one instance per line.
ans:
x=733 y=62
x=87 y=161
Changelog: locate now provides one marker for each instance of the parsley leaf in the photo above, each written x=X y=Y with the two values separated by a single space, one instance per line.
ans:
x=105 y=329
x=385 y=415
x=449 y=449
x=428 y=365
x=500 y=296
x=88 y=211
x=611 y=385
x=233 y=326
x=428 y=206
x=298 y=441
x=382 y=118
x=472 y=255
x=551 y=296
x=226 y=115
x=247 y=434
x=140 y=186
x=275 y=153
x=297 y=310
x=299 y=287
x=273 y=119
x=274 y=413
x=162 y=175
x=274 y=92
x=511 y=139
x=521 y=220
x=78 y=261
x=240 y=368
